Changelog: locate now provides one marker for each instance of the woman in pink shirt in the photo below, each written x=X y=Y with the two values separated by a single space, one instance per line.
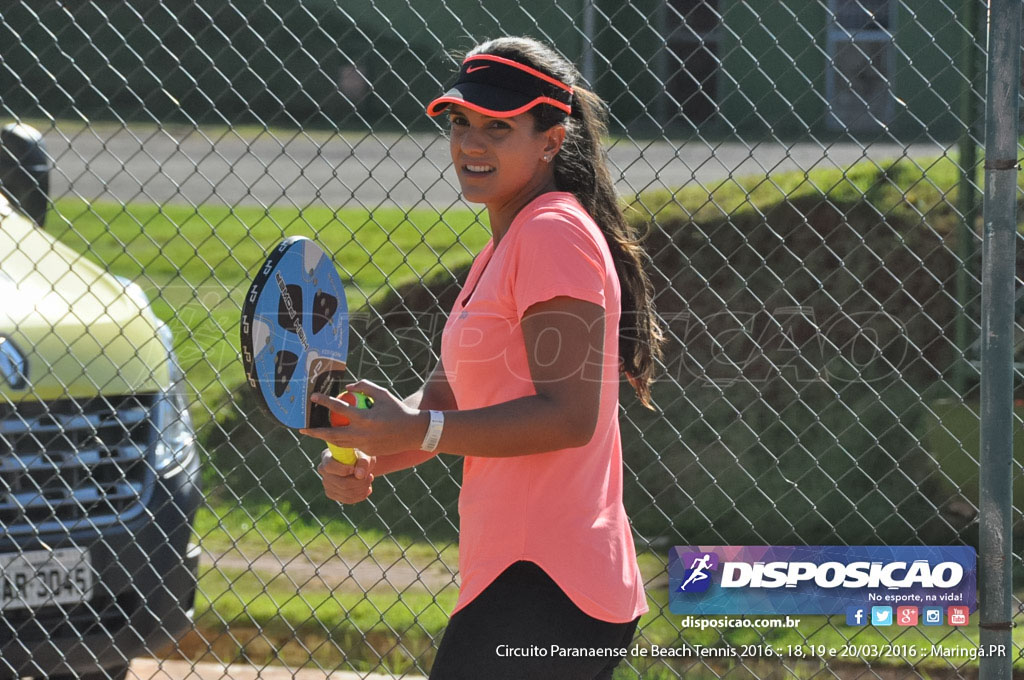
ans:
x=555 y=308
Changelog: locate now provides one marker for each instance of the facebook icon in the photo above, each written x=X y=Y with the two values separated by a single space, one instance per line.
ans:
x=856 y=616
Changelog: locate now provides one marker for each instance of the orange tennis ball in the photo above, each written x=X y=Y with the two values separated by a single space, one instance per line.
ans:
x=338 y=420
x=352 y=399
x=347 y=455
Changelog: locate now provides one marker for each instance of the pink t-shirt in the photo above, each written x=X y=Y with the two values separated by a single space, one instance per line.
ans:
x=561 y=509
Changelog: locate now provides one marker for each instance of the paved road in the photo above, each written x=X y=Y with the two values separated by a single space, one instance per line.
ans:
x=187 y=165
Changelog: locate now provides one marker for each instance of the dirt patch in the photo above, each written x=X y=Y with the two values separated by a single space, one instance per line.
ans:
x=363 y=575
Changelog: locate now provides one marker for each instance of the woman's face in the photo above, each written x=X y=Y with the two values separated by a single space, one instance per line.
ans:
x=500 y=161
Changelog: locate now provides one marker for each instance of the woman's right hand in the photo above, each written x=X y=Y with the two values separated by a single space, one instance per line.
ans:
x=347 y=483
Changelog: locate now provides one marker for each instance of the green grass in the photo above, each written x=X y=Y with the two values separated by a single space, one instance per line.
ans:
x=279 y=605
x=920 y=186
x=954 y=440
x=282 y=530
x=332 y=627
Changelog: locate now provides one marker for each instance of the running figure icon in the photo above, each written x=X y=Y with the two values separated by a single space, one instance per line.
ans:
x=698 y=570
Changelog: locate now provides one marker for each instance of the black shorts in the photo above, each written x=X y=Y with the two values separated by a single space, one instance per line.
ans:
x=507 y=633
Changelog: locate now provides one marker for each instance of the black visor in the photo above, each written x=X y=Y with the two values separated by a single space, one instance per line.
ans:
x=499 y=87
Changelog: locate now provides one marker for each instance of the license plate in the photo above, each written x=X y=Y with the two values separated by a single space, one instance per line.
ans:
x=41 y=578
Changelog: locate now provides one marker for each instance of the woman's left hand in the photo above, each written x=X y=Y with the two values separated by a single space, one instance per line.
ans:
x=389 y=427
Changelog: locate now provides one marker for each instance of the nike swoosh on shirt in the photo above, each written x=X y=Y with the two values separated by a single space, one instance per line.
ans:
x=475 y=68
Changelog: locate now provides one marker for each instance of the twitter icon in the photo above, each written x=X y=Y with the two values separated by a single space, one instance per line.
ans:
x=881 y=616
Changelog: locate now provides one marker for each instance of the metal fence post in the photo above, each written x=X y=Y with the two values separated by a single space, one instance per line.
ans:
x=998 y=278
x=589 y=29
x=968 y=192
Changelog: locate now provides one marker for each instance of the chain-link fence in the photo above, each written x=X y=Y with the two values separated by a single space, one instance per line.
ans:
x=808 y=177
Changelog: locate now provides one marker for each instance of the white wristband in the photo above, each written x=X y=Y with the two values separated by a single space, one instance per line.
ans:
x=433 y=436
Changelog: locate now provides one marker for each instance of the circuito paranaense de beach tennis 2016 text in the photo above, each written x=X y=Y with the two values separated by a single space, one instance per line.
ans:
x=761 y=651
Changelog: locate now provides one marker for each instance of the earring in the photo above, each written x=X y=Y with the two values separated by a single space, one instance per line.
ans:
x=547 y=159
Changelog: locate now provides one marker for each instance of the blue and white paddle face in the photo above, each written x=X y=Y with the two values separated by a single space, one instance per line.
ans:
x=295 y=330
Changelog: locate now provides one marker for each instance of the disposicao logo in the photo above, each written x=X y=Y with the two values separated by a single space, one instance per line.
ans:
x=697 y=577
x=819 y=579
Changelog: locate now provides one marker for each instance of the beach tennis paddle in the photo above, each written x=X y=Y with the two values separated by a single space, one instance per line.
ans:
x=294 y=333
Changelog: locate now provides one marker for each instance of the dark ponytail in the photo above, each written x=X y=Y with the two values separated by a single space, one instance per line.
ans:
x=581 y=168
